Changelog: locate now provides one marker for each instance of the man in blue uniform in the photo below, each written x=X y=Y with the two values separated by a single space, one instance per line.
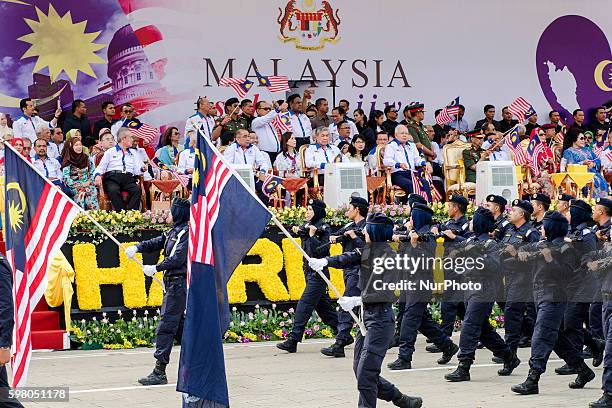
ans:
x=497 y=205
x=174 y=246
x=6 y=330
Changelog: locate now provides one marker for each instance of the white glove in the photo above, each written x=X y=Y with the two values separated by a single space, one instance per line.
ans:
x=131 y=251
x=317 y=264
x=349 y=303
x=149 y=270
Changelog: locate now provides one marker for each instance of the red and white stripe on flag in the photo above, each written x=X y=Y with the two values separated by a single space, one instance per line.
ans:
x=282 y=122
x=146 y=132
x=435 y=194
x=278 y=84
x=520 y=158
x=47 y=233
x=237 y=84
x=519 y=107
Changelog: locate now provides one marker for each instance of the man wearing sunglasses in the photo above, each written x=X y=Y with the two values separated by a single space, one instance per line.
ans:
x=267 y=135
x=390 y=124
x=127 y=113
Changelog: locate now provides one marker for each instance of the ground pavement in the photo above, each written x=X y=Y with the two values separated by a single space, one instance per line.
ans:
x=260 y=375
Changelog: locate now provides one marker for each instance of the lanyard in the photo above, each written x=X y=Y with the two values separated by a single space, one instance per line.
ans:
x=32 y=123
x=301 y=126
x=406 y=154
x=46 y=169
x=208 y=127
x=123 y=160
x=325 y=153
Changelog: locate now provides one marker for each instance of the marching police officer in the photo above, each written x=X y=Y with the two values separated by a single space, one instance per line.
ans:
x=351 y=235
x=454 y=230
x=518 y=275
x=497 y=205
x=475 y=324
x=174 y=246
x=314 y=234
x=563 y=203
x=540 y=203
x=416 y=315
x=377 y=315
x=6 y=331
x=556 y=262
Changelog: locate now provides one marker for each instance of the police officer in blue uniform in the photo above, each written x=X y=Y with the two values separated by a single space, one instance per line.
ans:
x=556 y=265
x=6 y=331
x=351 y=237
x=313 y=234
x=454 y=230
x=517 y=273
x=377 y=315
x=497 y=205
x=174 y=246
x=479 y=302
x=416 y=314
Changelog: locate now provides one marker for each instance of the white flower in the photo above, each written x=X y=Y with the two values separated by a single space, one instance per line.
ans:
x=96 y=330
x=94 y=318
x=119 y=312
x=133 y=319
x=242 y=323
x=273 y=305
x=264 y=321
x=104 y=314
x=112 y=330
x=105 y=320
x=144 y=318
x=251 y=316
x=118 y=330
x=88 y=332
x=158 y=311
x=134 y=312
x=234 y=309
x=146 y=312
x=154 y=318
x=257 y=306
x=140 y=326
x=231 y=324
x=289 y=321
x=83 y=321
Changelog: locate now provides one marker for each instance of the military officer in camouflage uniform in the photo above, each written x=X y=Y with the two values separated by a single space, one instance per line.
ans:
x=232 y=121
x=473 y=155
x=418 y=132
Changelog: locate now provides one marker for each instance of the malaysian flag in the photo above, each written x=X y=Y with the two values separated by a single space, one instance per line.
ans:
x=270 y=184
x=600 y=144
x=37 y=219
x=520 y=108
x=609 y=155
x=273 y=83
x=536 y=152
x=226 y=220
x=240 y=85
x=435 y=194
x=513 y=141
x=182 y=178
x=420 y=186
x=141 y=130
x=444 y=116
x=282 y=122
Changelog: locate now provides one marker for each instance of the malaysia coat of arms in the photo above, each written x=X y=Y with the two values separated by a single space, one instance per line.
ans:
x=310 y=27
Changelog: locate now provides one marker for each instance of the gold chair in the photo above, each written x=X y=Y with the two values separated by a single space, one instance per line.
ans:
x=315 y=191
x=454 y=170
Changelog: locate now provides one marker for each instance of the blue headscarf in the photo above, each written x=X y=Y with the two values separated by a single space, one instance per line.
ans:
x=180 y=211
x=555 y=225
x=379 y=228
x=483 y=221
x=421 y=216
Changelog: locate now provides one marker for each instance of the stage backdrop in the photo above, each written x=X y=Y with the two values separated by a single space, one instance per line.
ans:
x=162 y=54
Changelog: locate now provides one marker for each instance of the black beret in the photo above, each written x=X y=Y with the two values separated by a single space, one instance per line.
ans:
x=181 y=202
x=555 y=216
x=359 y=202
x=415 y=198
x=231 y=101
x=474 y=133
x=543 y=198
x=565 y=197
x=583 y=205
x=492 y=198
x=485 y=212
x=317 y=203
x=524 y=205
x=606 y=202
x=422 y=207
x=379 y=219
x=459 y=199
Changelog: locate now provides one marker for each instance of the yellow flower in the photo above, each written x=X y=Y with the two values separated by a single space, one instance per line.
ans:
x=327 y=333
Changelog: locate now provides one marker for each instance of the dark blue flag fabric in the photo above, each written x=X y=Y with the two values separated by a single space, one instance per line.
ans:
x=226 y=220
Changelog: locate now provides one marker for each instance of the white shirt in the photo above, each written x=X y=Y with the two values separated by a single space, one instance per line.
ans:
x=195 y=122
x=372 y=160
x=144 y=157
x=301 y=125
x=25 y=127
x=335 y=137
x=266 y=133
x=397 y=154
x=235 y=154
x=605 y=162
x=463 y=125
x=52 y=151
x=186 y=161
x=51 y=168
x=288 y=166
x=115 y=159
x=439 y=156
x=317 y=157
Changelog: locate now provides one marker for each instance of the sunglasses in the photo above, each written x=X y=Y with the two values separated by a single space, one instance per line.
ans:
x=266 y=109
x=581 y=138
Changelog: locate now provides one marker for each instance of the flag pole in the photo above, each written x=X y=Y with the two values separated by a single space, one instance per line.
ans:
x=362 y=327
x=81 y=210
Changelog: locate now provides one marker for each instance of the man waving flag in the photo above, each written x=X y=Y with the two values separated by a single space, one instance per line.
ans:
x=37 y=218
x=226 y=220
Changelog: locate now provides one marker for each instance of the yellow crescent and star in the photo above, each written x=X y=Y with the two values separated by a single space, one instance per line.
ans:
x=201 y=163
x=600 y=71
x=16 y=208
x=59 y=44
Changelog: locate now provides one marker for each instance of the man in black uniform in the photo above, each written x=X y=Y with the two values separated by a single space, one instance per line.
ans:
x=174 y=246
x=314 y=234
x=497 y=205
x=540 y=203
x=351 y=236
x=6 y=330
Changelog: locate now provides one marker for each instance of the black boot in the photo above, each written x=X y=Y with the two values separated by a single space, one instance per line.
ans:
x=509 y=365
x=599 y=353
x=587 y=353
x=400 y=364
x=604 y=402
x=585 y=374
x=462 y=373
x=335 y=350
x=448 y=354
x=432 y=348
x=566 y=370
x=406 y=401
x=288 y=345
x=157 y=377
x=530 y=386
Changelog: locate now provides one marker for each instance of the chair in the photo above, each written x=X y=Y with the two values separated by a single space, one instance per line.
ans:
x=162 y=192
x=378 y=180
x=392 y=190
x=105 y=203
x=454 y=170
x=315 y=191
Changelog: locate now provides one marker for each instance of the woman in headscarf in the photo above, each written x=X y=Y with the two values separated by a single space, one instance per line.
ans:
x=5 y=130
x=74 y=134
x=78 y=173
x=17 y=143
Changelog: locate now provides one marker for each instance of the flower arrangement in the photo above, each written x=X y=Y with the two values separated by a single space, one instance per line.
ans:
x=102 y=333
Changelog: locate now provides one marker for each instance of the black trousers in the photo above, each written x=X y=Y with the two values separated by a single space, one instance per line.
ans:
x=116 y=183
x=4 y=388
x=172 y=317
x=476 y=327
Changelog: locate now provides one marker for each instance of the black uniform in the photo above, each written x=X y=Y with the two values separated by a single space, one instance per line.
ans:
x=6 y=327
x=595 y=310
x=501 y=227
